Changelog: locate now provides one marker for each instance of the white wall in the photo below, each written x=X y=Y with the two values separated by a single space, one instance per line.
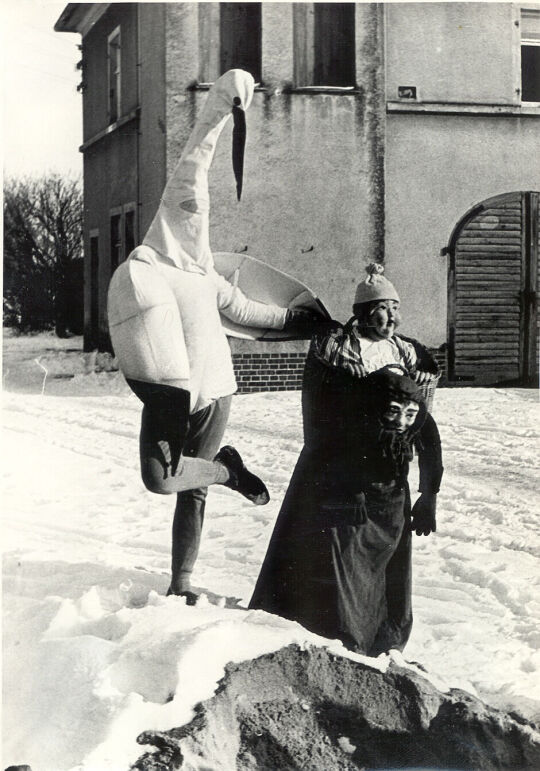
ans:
x=438 y=167
x=453 y=52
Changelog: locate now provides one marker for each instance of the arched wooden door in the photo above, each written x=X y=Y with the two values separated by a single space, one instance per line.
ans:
x=492 y=285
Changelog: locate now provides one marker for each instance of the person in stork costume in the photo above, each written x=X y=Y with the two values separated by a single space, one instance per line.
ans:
x=164 y=307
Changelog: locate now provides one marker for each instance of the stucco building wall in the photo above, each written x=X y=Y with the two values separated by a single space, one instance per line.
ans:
x=313 y=200
x=437 y=168
x=306 y=201
x=153 y=117
x=308 y=187
x=110 y=173
x=95 y=75
x=459 y=56
x=181 y=71
x=277 y=44
x=453 y=52
x=332 y=180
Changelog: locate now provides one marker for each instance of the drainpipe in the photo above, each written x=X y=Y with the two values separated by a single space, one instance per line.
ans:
x=139 y=107
x=370 y=76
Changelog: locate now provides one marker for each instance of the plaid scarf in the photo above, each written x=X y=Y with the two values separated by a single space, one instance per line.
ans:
x=341 y=349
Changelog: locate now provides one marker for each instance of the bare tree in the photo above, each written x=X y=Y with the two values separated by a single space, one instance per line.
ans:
x=43 y=277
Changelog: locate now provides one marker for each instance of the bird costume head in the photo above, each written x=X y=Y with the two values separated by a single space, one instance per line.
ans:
x=180 y=228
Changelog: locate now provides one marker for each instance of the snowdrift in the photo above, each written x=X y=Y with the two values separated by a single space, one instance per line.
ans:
x=95 y=654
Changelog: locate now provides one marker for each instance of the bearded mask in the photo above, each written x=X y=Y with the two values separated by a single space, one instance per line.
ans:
x=393 y=413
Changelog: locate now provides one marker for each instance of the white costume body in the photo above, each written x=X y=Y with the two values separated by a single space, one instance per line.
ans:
x=165 y=301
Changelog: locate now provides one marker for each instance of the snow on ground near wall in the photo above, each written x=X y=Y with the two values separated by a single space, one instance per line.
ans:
x=93 y=651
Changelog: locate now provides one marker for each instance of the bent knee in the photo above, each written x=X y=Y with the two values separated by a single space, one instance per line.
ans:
x=156 y=482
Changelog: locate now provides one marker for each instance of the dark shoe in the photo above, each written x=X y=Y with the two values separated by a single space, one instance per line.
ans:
x=191 y=597
x=240 y=479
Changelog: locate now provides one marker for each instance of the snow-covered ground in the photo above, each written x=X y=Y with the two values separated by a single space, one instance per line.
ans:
x=94 y=652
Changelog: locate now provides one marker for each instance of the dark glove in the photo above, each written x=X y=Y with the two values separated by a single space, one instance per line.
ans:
x=303 y=321
x=423 y=514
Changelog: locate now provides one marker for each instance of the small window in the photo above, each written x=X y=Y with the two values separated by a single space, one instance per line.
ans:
x=114 y=62
x=324 y=45
x=240 y=37
x=530 y=55
x=129 y=232
x=116 y=241
x=123 y=225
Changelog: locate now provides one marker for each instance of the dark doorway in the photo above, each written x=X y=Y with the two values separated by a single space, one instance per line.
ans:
x=492 y=285
x=94 y=290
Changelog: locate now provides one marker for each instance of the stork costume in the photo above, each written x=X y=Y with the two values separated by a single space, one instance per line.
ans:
x=164 y=316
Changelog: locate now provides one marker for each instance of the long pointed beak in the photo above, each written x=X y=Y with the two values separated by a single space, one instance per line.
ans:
x=238 y=146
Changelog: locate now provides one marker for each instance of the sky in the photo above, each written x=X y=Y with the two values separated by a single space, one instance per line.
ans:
x=42 y=110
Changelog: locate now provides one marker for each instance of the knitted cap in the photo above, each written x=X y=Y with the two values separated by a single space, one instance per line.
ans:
x=375 y=286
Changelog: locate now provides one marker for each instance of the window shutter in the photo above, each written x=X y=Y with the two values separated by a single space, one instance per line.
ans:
x=530 y=24
x=488 y=281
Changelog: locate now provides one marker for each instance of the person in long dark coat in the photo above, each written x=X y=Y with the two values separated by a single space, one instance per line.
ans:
x=339 y=560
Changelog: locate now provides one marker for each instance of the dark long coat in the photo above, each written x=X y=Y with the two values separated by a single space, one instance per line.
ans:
x=339 y=559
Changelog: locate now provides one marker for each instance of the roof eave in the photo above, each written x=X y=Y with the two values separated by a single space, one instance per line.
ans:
x=80 y=17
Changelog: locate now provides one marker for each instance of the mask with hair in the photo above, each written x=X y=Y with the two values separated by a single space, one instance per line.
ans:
x=394 y=411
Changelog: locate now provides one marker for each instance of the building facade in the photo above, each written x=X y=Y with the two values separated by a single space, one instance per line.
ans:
x=407 y=132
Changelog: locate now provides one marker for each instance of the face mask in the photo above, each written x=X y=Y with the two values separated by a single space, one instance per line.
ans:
x=384 y=318
x=400 y=416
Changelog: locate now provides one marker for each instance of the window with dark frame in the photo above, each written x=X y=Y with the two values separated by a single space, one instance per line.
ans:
x=114 y=63
x=129 y=232
x=530 y=55
x=116 y=241
x=123 y=233
x=240 y=37
x=333 y=38
x=324 y=45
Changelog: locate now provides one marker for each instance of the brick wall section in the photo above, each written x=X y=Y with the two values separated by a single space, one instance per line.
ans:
x=268 y=371
x=282 y=371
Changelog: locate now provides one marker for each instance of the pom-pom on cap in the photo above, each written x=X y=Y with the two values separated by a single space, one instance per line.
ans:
x=375 y=286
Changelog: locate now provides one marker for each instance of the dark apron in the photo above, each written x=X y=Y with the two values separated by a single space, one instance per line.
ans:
x=342 y=591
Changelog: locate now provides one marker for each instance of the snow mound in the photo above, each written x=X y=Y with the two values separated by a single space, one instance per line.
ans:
x=298 y=709
x=95 y=654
